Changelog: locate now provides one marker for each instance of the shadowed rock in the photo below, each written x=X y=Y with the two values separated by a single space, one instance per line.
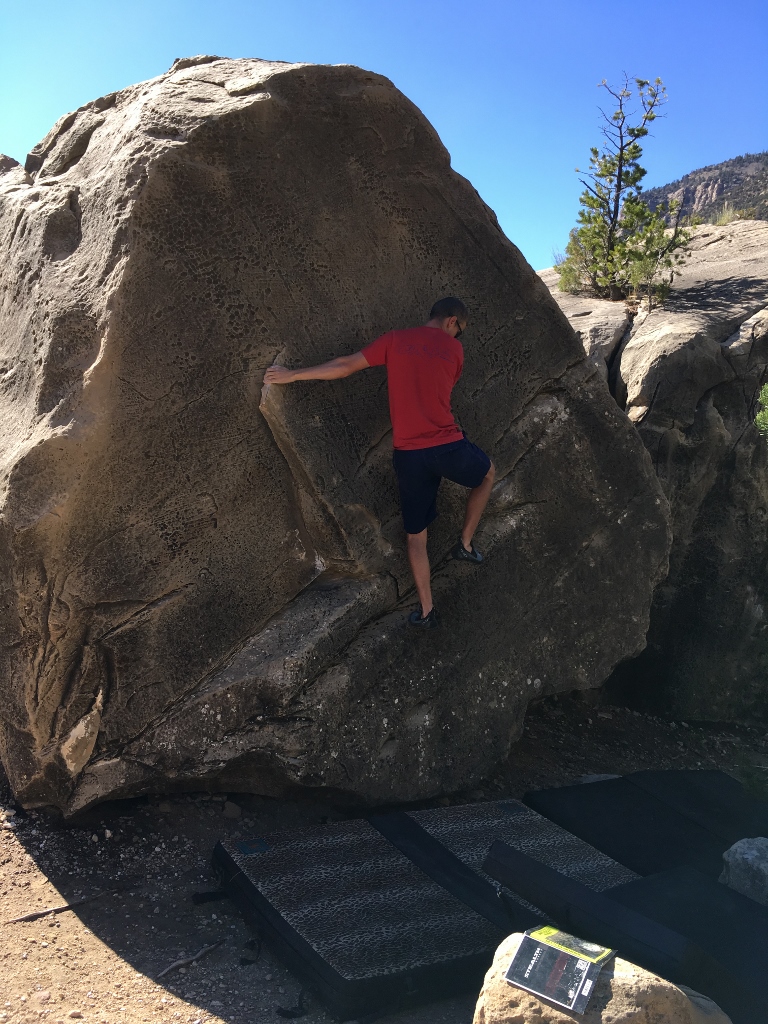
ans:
x=200 y=593
x=689 y=376
x=600 y=324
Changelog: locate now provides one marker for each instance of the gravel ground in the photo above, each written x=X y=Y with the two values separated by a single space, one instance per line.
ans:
x=100 y=962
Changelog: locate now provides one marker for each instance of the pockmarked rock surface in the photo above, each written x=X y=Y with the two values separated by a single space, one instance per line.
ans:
x=204 y=586
x=623 y=994
x=689 y=378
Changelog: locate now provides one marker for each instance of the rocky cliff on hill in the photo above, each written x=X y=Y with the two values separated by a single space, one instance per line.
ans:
x=689 y=375
x=739 y=184
x=199 y=594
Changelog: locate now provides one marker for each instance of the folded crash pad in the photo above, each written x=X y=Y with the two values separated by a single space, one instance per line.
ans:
x=710 y=798
x=729 y=926
x=378 y=914
x=634 y=826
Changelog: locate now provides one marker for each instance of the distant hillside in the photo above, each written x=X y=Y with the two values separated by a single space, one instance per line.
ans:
x=742 y=183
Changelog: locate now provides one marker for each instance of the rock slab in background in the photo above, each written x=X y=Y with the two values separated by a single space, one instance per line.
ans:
x=624 y=994
x=746 y=868
x=689 y=375
x=197 y=594
x=689 y=378
x=599 y=324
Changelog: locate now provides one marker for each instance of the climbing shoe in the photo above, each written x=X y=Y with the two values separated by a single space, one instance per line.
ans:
x=461 y=554
x=429 y=621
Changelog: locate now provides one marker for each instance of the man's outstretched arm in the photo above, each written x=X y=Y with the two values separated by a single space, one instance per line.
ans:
x=344 y=366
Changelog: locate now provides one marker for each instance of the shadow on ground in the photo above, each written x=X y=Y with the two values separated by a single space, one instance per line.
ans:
x=101 y=961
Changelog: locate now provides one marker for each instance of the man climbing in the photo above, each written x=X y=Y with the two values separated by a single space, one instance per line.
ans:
x=423 y=365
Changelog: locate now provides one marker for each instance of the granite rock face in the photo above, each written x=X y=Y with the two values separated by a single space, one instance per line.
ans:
x=623 y=994
x=197 y=593
x=599 y=324
x=689 y=379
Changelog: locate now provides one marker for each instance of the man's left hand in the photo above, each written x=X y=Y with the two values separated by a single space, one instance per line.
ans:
x=278 y=375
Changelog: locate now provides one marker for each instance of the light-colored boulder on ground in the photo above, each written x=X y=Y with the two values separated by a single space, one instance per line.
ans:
x=196 y=593
x=745 y=868
x=600 y=325
x=688 y=375
x=623 y=994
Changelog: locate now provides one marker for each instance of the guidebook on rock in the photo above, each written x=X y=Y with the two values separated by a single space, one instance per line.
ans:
x=559 y=967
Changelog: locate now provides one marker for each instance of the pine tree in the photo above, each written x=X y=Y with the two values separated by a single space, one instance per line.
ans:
x=620 y=245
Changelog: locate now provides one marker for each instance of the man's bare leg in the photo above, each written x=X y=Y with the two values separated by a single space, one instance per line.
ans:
x=419 y=560
x=476 y=502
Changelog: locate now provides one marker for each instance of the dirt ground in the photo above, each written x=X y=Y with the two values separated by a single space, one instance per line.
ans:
x=100 y=962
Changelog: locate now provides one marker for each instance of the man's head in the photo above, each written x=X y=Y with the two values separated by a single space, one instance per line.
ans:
x=449 y=315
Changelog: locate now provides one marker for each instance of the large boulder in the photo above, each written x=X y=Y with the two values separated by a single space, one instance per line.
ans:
x=623 y=994
x=689 y=378
x=197 y=593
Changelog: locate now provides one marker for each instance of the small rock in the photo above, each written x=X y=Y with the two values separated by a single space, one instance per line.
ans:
x=42 y=997
x=231 y=810
x=75 y=1014
x=164 y=807
x=746 y=868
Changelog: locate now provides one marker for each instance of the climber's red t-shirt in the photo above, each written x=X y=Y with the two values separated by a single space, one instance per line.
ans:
x=423 y=364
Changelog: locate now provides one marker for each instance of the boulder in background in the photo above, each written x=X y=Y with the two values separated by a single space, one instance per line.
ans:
x=689 y=376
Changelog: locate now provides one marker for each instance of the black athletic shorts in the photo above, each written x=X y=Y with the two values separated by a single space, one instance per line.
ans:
x=420 y=471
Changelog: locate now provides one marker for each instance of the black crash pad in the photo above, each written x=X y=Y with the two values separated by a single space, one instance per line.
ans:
x=632 y=826
x=730 y=927
x=367 y=929
x=710 y=798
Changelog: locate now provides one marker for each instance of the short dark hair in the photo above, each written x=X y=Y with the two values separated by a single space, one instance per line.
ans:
x=449 y=306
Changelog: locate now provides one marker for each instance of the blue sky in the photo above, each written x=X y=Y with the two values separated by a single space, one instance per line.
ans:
x=510 y=86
